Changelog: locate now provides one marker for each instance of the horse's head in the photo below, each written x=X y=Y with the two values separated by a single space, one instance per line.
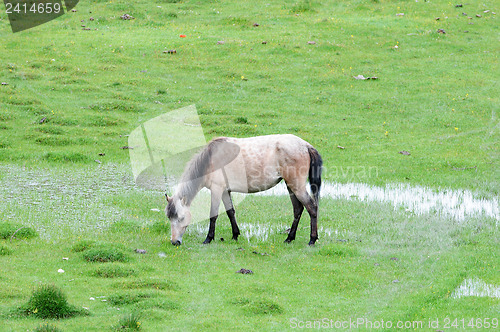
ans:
x=180 y=217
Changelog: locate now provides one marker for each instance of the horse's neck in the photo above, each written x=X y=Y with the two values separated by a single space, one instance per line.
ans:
x=189 y=190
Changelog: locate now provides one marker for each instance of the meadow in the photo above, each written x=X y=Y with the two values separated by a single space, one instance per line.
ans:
x=73 y=89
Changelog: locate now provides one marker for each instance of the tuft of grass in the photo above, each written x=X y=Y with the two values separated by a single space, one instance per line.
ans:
x=8 y=230
x=47 y=328
x=105 y=253
x=263 y=307
x=82 y=245
x=160 y=303
x=302 y=7
x=113 y=271
x=129 y=322
x=257 y=307
x=127 y=298
x=72 y=157
x=4 y=251
x=338 y=249
x=241 y=119
x=152 y=283
x=48 y=301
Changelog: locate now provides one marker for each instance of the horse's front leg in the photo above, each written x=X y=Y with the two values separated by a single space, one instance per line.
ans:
x=228 y=205
x=216 y=195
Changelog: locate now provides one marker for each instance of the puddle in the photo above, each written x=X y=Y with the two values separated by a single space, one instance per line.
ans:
x=61 y=200
x=456 y=204
x=476 y=287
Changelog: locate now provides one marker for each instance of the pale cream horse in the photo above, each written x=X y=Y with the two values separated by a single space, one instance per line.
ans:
x=248 y=165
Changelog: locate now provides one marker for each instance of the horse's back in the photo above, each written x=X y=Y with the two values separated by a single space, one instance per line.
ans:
x=264 y=160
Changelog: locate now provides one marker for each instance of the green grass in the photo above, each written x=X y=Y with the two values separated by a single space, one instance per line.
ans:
x=48 y=301
x=105 y=253
x=47 y=328
x=129 y=322
x=435 y=96
x=10 y=230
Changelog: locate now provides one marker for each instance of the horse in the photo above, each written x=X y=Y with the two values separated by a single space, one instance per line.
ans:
x=248 y=165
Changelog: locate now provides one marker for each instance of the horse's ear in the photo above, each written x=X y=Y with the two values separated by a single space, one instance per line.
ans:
x=168 y=198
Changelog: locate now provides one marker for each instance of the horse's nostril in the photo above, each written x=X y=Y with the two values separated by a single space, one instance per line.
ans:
x=176 y=243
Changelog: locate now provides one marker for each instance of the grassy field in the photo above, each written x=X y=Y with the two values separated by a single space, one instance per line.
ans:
x=251 y=68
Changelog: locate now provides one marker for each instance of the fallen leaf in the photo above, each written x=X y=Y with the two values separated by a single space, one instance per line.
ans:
x=182 y=36
x=170 y=51
x=260 y=253
x=340 y=147
x=459 y=5
x=477 y=15
x=140 y=251
x=406 y=153
x=5 y=83
x=221 y=42
x=400 y=14
x=98 y=161
x=42 y=120
x=394 y=259
x=102 y=154
x=126 y=147
x=91 y=19
x=256 y=24
x=60 y=271
x=264 y=42
x=311 y=42
x=441 y=31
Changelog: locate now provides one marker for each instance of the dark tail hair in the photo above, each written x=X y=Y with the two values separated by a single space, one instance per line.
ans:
x=315 y=172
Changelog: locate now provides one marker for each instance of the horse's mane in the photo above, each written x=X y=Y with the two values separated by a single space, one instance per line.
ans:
x=195 y=171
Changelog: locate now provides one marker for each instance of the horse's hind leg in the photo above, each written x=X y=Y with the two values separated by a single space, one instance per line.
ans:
x=298 y=207
x=216 y=194
x=228 y=204
x=312 y=208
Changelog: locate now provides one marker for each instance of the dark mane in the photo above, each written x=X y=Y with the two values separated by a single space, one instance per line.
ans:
x=193 y=176
x=171 y=211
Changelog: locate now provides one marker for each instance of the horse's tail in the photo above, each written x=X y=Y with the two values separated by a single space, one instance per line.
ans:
x=315 y=168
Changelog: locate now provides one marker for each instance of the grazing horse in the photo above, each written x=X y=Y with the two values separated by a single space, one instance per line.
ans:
x=248 y=165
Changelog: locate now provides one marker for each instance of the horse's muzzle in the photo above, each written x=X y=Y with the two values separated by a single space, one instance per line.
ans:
x=176 y=242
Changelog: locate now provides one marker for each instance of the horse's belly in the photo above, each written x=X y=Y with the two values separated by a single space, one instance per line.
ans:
x=254 y=187
x=248 y=180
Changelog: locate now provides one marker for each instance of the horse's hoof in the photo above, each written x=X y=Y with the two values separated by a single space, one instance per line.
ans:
x=312 y=242
x=207 y=241
x=288 y=240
